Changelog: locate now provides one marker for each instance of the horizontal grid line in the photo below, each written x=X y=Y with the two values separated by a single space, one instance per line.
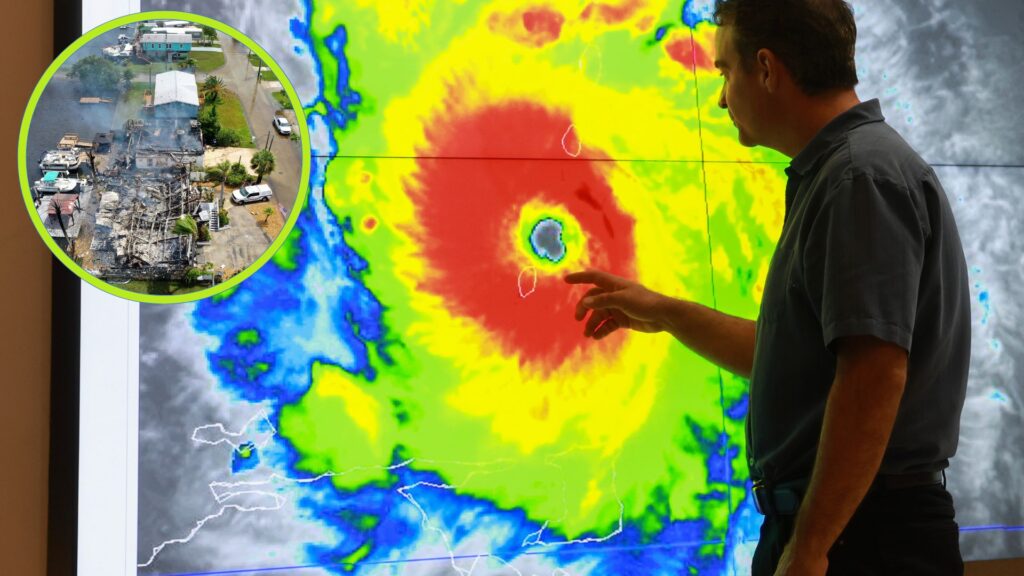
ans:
x=538 y=158
x=557 y=550
x=625 y=160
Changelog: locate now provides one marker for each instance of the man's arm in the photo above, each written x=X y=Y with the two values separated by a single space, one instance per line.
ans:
x=614 y=303
x=725 y=340
x=871 y=375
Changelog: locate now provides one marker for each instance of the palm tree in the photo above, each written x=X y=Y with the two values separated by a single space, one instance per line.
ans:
x=262 y=162
x=189 y=63
x=186 y=226
x=218 y=173
x=212 y=98
x=267 y=213
x=213 y=89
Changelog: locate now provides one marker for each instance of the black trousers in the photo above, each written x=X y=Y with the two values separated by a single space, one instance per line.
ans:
x=908 y=531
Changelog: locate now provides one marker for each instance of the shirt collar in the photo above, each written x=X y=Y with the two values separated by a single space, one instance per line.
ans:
x=863 y=113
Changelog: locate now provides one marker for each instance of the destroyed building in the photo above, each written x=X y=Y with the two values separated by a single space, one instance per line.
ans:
x=145 y=187
x=134 y=236
x=163 y=144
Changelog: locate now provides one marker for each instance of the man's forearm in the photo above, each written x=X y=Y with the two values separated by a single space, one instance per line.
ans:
x=859 y=418
x=725 y=340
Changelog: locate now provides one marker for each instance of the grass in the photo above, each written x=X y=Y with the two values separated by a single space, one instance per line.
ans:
x=134 y=96
x=205 y=62
x=142 y=70
x=161 y=287
x=267 y=73
x=131 y=102
x=232 y=117
x=283 y=100
x=208 y=61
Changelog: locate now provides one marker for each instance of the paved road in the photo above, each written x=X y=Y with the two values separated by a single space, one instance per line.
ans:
x=259 y=105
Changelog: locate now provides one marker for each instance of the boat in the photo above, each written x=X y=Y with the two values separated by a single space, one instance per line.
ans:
x=55 y=182
x=60 y=160
x=118 y=51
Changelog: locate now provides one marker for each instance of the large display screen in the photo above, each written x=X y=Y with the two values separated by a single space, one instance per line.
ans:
x=404 y=390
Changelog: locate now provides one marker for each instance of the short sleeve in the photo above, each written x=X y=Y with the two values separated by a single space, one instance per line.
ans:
x=863 y=259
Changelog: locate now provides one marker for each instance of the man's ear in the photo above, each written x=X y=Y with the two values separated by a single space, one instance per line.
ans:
x=768 y=69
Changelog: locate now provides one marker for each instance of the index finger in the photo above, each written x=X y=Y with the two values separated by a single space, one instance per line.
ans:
x=596 y=277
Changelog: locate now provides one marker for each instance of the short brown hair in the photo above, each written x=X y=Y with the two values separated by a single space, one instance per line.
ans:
x=815 y=39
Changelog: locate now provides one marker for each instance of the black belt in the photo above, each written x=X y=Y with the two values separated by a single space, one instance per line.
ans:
x=785 y=500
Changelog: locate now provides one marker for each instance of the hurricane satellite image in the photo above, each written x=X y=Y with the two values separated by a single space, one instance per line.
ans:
x=403 y=388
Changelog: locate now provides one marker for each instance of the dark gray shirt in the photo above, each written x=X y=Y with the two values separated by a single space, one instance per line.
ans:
x=869 y=247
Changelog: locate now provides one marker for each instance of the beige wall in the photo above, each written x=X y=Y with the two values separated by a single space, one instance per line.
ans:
x=25 y=322
x=27 y=47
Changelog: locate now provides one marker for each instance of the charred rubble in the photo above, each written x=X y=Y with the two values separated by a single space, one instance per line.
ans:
x=141 y=191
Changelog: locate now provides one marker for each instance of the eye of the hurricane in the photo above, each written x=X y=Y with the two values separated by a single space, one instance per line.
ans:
x=546 y=240
x=499 y=206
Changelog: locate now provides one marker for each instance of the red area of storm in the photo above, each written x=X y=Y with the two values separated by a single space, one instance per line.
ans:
x=611 y=13
x=689 y=54
x=532 y=26
x=480 y=169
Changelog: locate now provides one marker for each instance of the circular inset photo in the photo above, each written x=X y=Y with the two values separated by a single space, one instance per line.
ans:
x=164 y=157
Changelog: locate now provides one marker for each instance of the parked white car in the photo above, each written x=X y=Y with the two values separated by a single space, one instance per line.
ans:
x=253 y=193
x=282 y=125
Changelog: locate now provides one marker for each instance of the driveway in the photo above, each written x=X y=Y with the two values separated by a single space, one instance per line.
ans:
x=259 y=106
x=236 y=247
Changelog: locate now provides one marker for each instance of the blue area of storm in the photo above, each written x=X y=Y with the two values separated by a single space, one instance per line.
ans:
x=986 y=306
x=319 y=309
x=697 y=11
x=244 y=458
x=546 y=240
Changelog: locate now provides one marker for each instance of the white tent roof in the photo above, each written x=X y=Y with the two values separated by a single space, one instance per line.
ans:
x=176 y=86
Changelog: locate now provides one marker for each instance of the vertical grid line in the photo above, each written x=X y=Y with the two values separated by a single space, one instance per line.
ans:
x=714 y=293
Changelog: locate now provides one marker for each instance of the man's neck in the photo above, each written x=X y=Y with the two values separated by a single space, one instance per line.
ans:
x=809 y=114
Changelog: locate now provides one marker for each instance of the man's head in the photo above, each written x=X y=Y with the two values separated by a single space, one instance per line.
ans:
x=775 y=54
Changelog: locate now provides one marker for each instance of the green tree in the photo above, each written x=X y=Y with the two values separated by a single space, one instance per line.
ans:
x=186 y=226
x=267 y=213
x=213 y=89
x=224 y=166
x=262 y=163
x=218 y=173
x=209 y=34
x=209 y=123
x=228 y=137
x=188 y=64
x=237 y=175
x=127 y=77
x=193 y=273
x=96 y=74
x=211 y=99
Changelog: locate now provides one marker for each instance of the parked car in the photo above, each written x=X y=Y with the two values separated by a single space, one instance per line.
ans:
x=252 y=193
x=282 y=125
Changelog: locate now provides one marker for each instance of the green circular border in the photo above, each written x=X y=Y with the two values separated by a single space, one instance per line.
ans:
x=300 y=199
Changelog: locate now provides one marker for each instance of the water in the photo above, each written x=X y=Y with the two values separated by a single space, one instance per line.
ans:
x=58 y=110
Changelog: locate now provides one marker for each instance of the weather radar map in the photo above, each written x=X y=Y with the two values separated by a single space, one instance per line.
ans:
x=404 y=389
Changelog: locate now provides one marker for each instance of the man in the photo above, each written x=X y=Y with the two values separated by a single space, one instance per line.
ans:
x=858 y=359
